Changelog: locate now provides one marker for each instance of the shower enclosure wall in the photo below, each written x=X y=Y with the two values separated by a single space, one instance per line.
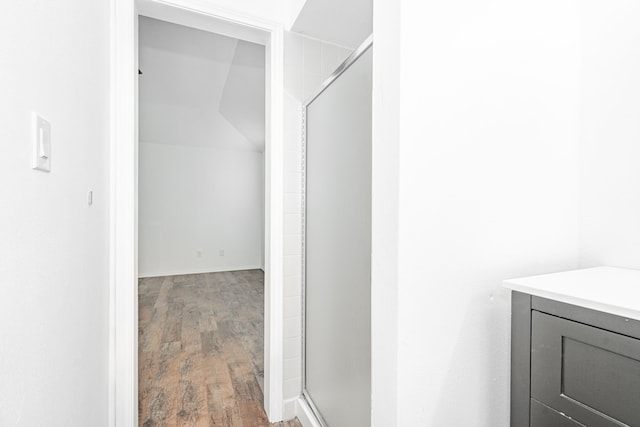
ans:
x=337 y=245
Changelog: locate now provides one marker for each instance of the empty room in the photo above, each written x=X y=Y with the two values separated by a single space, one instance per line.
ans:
x=201 y=226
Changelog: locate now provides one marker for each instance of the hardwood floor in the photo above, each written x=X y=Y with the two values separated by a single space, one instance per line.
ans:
x=200 y=351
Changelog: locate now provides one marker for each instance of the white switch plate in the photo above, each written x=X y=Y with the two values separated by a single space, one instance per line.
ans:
x=41 y=144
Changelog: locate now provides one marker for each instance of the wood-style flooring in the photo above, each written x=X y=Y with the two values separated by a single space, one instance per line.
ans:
x=200 y=354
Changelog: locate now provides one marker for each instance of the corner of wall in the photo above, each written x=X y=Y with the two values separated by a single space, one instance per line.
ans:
x=292 y=11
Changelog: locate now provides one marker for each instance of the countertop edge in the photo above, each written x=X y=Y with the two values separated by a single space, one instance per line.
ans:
x=573 y=300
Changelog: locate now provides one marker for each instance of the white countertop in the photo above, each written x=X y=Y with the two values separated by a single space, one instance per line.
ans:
x=608 y=289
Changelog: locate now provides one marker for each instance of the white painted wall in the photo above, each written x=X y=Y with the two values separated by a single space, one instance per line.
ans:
x=345 y=23
x=280 y=11
x=201 y=168
x=292 y=11
x=271 y=10
x=488 y=189
x=53 y=246
x=195 y=202
x=610 y=147
x=384 y=213
x=308 y=63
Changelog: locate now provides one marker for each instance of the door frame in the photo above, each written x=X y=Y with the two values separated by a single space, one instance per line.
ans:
x=123 y=238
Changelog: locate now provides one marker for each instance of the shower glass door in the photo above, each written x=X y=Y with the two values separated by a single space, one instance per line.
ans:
x=337 y=306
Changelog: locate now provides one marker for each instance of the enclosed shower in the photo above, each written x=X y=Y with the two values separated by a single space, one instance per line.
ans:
x=337 y=245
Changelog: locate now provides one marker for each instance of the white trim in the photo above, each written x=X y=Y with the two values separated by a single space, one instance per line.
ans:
x=123 y=349
x=123 y=393
x=274 y=220
x=207 y=17
x=200 y=271
x=305 y=414
x=290 y=408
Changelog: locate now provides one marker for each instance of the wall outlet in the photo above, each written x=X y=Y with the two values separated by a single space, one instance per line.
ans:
x=198 y=254
x=221 y=252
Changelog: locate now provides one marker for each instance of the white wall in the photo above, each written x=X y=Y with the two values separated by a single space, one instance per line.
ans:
x=276 y=11
x=488 y=189
x=282 y=11
x=195 y=202
x=308 y=63
x=345 y=23
x=201 y=168
x=384 y=210
x=610 y=147
x=53 y=246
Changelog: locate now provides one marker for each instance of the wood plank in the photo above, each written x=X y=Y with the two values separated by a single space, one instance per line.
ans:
x=192 y=395
x=200 y=356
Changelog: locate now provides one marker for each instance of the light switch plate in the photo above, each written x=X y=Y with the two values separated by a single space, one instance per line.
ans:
x=41 y=144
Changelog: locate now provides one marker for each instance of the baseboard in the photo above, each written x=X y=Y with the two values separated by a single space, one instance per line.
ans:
x=305 y=414
x=289 y=409
x=200 y=271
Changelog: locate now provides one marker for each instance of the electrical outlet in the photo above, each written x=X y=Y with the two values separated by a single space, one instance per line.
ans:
x=221 y=252
x=198 y=254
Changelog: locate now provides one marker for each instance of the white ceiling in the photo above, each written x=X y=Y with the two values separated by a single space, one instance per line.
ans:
x=200 y=88
x=347 y=23
x=243 y=97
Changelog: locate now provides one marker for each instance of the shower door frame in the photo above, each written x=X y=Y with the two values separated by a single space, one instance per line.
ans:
x=361 y=50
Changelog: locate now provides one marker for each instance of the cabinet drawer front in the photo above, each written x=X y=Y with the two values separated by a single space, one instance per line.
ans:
x=589 y=374
x=543 y=416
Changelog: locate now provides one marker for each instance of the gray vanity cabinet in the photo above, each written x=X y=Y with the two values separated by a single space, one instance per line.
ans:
x=572 y=366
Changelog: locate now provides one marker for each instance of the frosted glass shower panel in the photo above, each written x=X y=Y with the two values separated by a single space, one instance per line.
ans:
x=338 y=248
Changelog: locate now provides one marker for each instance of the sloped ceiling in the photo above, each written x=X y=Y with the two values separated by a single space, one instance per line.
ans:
x=200 y=88
x=346 y=23
x=243 y=99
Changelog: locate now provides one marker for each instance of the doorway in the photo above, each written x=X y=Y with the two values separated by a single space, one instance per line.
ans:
x=124 y=266
x=201 y=227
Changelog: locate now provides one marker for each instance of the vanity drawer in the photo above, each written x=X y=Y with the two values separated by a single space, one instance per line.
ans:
x=543 y=416
x=590 y=374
